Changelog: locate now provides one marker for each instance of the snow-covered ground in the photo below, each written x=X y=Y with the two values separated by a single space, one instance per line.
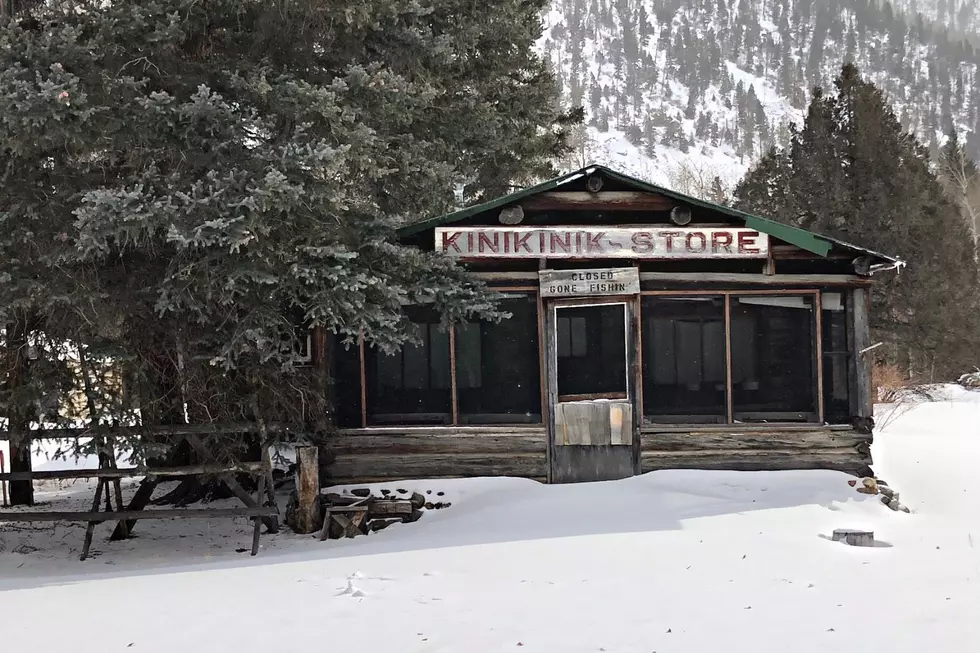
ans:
x=671 y=562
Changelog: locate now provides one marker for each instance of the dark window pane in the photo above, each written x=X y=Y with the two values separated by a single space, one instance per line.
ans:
x=837 y=358
x=347 y=383
x=593 y=358
x=497 y=369
x=411 y=386
x=773 y=358
x=836 y=389
x=834 y=323
x=684 y=359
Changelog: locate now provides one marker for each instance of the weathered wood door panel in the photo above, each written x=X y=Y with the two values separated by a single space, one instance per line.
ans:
x=591 y=370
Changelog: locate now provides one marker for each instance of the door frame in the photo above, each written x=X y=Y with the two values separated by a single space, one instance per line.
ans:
x=633 y=351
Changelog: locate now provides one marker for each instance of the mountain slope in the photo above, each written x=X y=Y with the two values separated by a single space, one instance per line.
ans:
x=684 y=91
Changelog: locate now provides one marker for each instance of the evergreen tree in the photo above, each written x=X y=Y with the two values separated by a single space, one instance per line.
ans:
x=876 y=188
x=186 y=182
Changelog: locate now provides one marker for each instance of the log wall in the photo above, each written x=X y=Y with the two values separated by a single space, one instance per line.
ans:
x=756 y=448
x=390 y=453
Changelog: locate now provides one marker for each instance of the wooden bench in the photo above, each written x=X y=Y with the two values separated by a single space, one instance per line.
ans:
x=254 y=509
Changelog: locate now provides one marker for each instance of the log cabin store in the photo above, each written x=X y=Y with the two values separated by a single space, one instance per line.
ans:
x=648 y=330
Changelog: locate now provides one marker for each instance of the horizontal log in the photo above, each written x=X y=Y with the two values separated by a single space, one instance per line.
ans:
x=413 y=466
x=757 y=279
x=131 y=431
x=390 y=508
x=752 y=440
x=185 y=513
x=338 y=481
x=742 y=428
x=158 y=472
x=508 y=275
x=847 y=460
x=612 y=200
x=449 y=431
x=435 y=444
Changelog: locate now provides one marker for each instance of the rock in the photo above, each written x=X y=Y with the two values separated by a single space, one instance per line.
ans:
x=897 y=506
x=376 y=525
x=886 y=491
x=429 y=505
x=401 y=491
x=414 y=517
x=418 y=500
x=440 y=494
x=385 y=492
x=852 y=483
x=868 y=486
x=362 y=492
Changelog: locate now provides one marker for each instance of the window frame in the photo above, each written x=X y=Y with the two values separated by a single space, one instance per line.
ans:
x=534 y=294
x=815 y=295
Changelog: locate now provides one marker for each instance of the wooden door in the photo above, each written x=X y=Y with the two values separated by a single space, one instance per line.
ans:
x=591 y=365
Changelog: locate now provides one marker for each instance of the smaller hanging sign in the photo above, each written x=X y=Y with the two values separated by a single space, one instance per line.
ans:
x=581 y=283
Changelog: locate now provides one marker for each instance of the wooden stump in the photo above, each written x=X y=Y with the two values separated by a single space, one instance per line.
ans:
x=308 y=515
x=854 y=538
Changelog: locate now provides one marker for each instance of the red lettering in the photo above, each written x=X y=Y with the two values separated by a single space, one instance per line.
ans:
x=469 y=242
x=450 y=241
x=578 y=242
x=541 y=242
x=556 y=242
x=594 y=242
x=642 y=242
x=521 y=241
x=747 y=244
x=507 y=242
x=670 y=236
x=484 y=239
x=702 y=245
x=721 y=240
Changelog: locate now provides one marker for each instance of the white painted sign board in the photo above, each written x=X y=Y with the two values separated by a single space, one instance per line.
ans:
x=583 y=283
x=599 y=242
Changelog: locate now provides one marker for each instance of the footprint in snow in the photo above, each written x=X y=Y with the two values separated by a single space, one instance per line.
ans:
x=352 y=590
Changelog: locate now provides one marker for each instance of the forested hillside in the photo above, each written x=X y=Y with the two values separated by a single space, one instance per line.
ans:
x=682 y=91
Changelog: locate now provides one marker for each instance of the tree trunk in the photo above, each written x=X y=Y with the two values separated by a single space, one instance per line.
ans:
x=21 y=492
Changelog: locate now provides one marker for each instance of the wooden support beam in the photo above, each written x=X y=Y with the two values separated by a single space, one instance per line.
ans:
x=860 y=323
x=729 y=408
x=757 y=279
x=96 y=517
x=135 y=431
x=307 y=489
x=157 y=473
x=850 y=280
x=271 y=523
x=613 y=200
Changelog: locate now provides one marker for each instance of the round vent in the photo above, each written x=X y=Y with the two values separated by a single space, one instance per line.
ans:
x=680 y=215
x=511 y=215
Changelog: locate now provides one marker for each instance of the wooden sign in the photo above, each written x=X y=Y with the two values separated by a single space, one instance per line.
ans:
x=577 y=283
x=599 y=242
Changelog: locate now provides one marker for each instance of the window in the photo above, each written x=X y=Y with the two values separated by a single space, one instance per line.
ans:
x=773 y=368
x=684 y=356
x=591 y=350
x=412 y=385
x=571 y=337
x=836 y=358
x=498 y=376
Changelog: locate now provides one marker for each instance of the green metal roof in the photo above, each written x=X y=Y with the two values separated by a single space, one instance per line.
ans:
x=806 y=240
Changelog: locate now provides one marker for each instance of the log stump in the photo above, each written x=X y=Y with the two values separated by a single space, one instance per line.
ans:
x=854 y=538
